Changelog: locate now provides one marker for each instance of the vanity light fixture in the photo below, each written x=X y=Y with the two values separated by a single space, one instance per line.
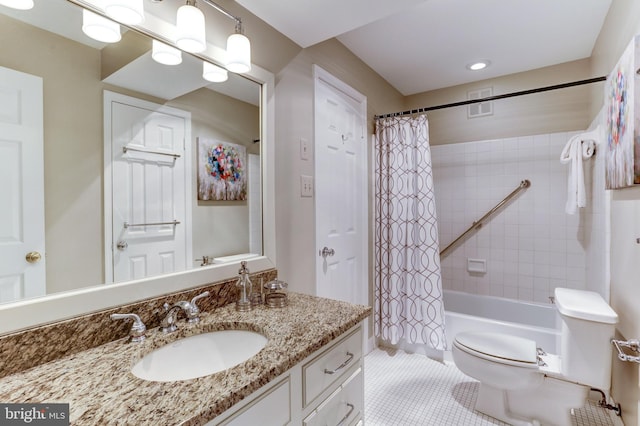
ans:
x=165 y=54
x=129 y=12
x=238 y=51
x=190 y=28
x=99 y=28
x=18 y=4
x=478 y=65
x=214 y=73
x=238 y=45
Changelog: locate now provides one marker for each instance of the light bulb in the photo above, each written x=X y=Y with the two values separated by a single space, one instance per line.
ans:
x=214 y=73
x=190 y=29
x=165 y=54
x=238 y=53
x=99 y=28
x=18 y=4
x=129 y=12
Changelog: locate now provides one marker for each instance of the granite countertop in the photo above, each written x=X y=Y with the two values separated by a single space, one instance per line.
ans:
x=98 y=384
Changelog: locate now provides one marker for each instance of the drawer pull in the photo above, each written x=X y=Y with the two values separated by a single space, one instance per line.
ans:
x=344 y=419
x=341 y=366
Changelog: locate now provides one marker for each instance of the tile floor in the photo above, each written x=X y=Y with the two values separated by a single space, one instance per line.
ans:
x=412 y=390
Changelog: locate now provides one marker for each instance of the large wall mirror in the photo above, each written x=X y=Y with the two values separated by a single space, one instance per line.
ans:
x=145 y=175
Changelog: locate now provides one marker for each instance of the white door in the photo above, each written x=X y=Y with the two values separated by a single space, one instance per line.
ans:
x=150 y=232
x=21 y=186
x=340 y=190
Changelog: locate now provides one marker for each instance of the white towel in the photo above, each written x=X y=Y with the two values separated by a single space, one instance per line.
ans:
x=579 y=148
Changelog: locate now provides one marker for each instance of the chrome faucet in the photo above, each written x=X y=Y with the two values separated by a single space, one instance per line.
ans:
x=138 y=329
x=190 y=309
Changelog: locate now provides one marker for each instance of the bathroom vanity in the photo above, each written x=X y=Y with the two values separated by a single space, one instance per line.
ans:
x=309 y=372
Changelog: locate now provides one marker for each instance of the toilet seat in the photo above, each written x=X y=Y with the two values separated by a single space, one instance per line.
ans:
x=499 y=348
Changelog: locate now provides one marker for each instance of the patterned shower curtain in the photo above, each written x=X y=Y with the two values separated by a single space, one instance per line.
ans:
x=408 y=292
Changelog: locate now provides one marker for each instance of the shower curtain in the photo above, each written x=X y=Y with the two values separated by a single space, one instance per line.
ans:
x=408 y=285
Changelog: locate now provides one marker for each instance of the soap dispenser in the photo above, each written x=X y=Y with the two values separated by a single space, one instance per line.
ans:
x=244 y=286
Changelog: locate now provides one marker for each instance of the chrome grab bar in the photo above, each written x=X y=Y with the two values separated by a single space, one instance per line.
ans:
x=478 y=223
x=149 y=151
x=174 y=223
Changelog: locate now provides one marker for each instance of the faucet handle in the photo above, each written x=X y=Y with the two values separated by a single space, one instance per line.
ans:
x=138 y=329
x=193 y=314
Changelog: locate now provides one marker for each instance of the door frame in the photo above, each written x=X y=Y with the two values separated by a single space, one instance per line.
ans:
x=108 y=98
x=322 y=77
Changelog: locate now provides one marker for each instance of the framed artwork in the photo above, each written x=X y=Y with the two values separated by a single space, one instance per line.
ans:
x=222 y=171
x=622 y=126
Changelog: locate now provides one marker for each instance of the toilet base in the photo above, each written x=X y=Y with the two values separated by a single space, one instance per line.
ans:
x=493 y=402
x=548 y=404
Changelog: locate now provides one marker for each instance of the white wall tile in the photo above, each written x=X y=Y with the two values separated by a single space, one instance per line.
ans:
x=532 y=246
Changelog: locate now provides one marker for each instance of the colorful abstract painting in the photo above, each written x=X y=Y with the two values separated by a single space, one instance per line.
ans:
x=222 y=172
x=621 y=168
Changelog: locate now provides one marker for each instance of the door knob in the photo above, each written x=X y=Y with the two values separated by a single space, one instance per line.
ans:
x=122 y=245
x=33 y=257
x=326 y=252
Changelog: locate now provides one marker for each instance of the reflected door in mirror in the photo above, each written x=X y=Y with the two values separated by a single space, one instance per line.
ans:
x=149 y=191
x=21 y=186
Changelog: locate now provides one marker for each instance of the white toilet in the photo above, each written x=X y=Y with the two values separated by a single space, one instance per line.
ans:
x=521 y=386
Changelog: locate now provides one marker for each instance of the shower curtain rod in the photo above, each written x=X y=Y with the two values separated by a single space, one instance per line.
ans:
x=493 y=98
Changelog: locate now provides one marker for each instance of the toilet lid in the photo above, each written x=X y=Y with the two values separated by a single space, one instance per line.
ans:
x=497 y=345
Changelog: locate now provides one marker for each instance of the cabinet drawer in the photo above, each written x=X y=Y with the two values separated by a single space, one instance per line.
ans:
x=272 y=408
x=326 y=369
x=343 y=407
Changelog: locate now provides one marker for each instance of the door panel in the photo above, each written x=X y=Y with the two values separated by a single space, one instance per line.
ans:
x=341 y=192
x=149 y=214
x=21 y=186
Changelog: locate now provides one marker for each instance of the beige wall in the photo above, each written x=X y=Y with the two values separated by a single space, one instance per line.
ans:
x=540 y=113
x=220 y=227
x=295 y=223
x=73 y=160
x=622 y=23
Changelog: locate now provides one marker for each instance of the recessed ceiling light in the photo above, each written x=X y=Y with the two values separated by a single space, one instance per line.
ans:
x=479 y=65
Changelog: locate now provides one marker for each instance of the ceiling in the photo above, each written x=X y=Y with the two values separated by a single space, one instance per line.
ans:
x=422 y=45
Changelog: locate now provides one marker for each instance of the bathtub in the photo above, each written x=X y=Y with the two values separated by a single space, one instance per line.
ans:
x=535 y=321
x=472 y=312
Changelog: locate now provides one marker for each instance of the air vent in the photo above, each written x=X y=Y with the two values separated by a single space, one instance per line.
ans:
x=480 y=109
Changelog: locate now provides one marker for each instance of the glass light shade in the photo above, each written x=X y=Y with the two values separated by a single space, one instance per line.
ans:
x=214 y=73
x=238 y=53
x=190 y=29
x=129 y=12
x=165 y=54
x=99 y=28
x=18 y=4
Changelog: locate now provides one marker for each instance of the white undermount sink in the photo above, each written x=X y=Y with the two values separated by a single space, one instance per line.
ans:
x=199 y=355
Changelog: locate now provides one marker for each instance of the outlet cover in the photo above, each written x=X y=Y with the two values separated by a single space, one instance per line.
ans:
x=306 y=186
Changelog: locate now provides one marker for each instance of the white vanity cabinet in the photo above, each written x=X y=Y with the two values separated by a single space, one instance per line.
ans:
x=326 y=388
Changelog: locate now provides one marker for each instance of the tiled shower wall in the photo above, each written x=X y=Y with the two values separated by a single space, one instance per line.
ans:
x=529 y=247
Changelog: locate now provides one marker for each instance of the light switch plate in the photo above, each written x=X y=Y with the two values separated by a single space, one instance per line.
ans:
x=306 y=186
x=304 y=149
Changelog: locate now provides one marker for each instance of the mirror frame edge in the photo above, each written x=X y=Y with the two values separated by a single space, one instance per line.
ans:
x=30 y=313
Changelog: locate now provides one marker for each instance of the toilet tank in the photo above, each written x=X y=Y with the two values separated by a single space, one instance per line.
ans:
x=588 y=325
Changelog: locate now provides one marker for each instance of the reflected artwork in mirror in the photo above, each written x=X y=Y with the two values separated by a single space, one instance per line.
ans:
x=100 y=159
